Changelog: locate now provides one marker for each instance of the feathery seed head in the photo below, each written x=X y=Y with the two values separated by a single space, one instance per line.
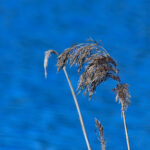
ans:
x=47 y=56
x=122 y=95
x=101 y=134
x=99 y=64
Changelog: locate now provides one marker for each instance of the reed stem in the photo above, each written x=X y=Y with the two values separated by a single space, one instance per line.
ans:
x=126 y=132
x=78 y=109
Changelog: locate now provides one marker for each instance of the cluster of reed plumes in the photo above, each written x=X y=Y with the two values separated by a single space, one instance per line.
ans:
x=96 y=66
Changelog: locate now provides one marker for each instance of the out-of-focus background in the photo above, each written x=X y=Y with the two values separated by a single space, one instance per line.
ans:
x=38 y=113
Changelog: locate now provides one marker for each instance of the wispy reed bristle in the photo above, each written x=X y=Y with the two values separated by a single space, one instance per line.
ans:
x=98 y=70
x=47 y=56
x=99 y=64
x=101 y=134
x=122 y=95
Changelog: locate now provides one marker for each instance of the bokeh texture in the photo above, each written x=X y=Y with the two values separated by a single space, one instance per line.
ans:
x=38 y=113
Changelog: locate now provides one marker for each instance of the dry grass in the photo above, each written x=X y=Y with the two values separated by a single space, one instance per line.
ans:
x=100 y=66
x=122 y=95
x=47 y=56
x=101 y=134
x=97 y=66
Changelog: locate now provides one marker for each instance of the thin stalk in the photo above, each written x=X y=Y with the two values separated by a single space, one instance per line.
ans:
x=78 y=109
x=126 y=132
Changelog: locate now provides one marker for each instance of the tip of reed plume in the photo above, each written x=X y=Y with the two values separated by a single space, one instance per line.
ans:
x=122 y=95
x=46 y=58
x=101 y=134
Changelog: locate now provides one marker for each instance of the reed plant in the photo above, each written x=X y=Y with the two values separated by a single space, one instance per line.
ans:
x=100 y=137
x=97 y=66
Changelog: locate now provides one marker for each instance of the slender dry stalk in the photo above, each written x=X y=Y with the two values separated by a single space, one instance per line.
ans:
x=78 y=109
x=101 y=134
x=47 y=55
x=126 y=131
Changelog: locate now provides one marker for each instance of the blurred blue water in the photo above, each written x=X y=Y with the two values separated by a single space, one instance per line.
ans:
x=39 y=114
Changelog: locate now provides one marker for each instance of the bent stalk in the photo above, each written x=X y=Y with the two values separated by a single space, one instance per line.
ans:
x=78 y=109
x=47 y=55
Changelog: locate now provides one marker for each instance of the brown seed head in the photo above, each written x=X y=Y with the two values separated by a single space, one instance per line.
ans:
x=101 y=134
x=122 y=95
x=99 y=64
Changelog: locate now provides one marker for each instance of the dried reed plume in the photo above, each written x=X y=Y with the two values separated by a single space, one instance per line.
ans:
x=122 y=95
x=101 y=134
x=99 y=67
x=47 y=56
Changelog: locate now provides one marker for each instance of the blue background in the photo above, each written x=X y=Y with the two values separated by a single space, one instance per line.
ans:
x=39 y=114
